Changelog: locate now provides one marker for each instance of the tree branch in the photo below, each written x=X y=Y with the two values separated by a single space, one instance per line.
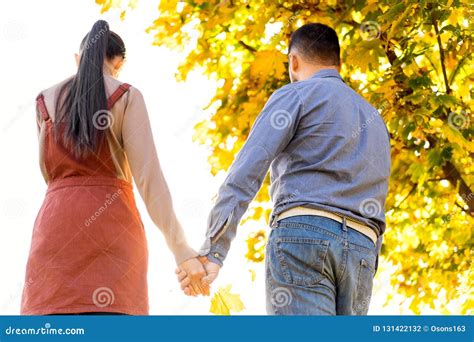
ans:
x=460 y=64
x=248 y=47
x=449 y=170
x=412 y=190
x=454 y=177
x=441 y=54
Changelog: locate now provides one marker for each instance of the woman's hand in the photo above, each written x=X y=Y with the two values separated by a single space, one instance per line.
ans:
x=193 y=270
x=211 y=269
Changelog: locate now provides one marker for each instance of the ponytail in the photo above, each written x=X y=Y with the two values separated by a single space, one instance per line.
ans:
x=85 y=94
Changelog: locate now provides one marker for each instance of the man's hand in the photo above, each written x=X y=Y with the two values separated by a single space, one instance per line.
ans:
x=211 y=269
x=194 y=273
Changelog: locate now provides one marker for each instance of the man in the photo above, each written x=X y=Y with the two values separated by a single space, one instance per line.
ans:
x=329 y=154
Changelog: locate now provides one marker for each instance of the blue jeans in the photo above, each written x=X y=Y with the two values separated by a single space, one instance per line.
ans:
x=318 y=266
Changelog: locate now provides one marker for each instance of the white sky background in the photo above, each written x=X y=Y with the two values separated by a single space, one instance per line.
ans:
x=37 y=44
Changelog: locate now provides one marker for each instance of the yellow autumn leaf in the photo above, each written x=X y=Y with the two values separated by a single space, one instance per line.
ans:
x=224 y=302
x=108 y=4
x=132 y=4
x=268 y=63
x=454 y=136
x=168 y=6
x=455 y=17
x=253 y=275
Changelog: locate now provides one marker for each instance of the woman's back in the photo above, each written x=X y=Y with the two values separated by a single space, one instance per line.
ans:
x=61 y=160
x=88 y=224
x=89 y=250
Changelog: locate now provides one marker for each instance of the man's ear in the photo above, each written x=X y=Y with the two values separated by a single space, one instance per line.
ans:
x=78 y=58
x=294 y=63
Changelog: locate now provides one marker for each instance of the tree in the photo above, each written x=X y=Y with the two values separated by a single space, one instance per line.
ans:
x=410 y=59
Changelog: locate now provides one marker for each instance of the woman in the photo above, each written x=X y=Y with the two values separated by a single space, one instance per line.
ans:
x=89 y=251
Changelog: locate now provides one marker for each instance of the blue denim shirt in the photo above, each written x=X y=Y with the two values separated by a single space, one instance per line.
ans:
x=327 y=148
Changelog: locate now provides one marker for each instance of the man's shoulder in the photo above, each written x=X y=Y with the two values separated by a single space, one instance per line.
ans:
x=285 y=90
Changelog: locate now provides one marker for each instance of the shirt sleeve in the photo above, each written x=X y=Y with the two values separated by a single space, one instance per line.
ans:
x=270 y=134
x=148 y=176
x=38 y=120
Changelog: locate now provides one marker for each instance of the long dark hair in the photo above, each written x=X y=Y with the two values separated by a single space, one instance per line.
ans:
x=82 y=100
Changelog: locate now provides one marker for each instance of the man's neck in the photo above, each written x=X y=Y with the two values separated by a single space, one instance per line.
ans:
x=310 y=71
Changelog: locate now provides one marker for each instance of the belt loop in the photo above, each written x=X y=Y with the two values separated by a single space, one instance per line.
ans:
x=273 y=221
x=344 y=226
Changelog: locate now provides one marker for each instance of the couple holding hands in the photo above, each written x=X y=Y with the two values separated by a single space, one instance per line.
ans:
x=89 y=253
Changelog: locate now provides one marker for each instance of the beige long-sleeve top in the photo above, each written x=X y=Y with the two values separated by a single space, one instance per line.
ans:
x=134 y=154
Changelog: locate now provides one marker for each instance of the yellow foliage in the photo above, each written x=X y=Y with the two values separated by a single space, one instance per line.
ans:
x=268 y=63
x=415 y=66
x=224 y=302
x=256 y=246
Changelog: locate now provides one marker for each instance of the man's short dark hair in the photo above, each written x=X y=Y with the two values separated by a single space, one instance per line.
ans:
x=316 y=42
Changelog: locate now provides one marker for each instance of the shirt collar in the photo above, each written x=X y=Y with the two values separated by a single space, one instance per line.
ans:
x=327 y=73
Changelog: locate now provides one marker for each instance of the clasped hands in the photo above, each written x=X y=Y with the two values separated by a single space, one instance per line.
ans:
x=196 y=275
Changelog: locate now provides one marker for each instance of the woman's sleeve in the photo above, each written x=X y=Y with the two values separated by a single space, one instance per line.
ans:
x=146 y=170
x=38 y=122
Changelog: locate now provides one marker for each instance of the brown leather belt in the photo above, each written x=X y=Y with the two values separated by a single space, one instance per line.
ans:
x=298 y=211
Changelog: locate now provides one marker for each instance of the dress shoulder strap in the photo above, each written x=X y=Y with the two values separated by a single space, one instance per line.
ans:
x=42 y=107
x=117 y=94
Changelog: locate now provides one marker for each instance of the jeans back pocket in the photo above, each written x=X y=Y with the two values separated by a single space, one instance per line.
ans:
x=365 y=279
x=301 y=259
